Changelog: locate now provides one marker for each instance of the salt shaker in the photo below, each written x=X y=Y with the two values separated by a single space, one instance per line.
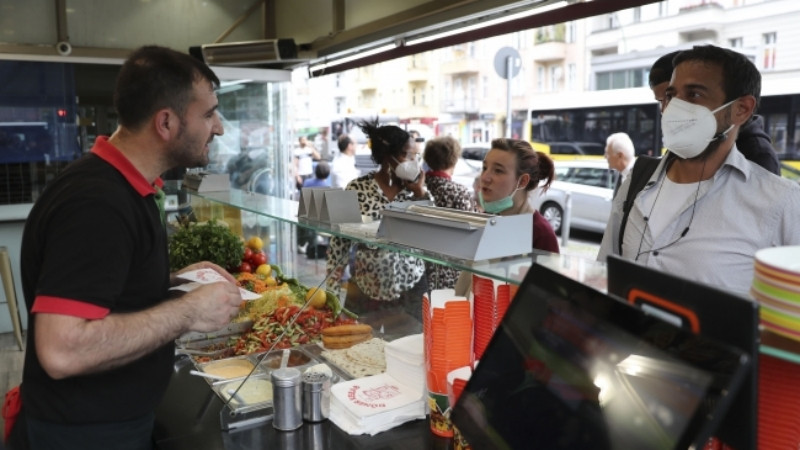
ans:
x=286 y=399
x=316 y=396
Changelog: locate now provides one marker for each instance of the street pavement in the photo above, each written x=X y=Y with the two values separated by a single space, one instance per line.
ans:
x=581 y=244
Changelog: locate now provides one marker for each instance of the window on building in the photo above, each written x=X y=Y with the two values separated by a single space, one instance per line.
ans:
x=770 y=41
x=620 y=79
x=519 y=39
x=472 y=86
x=572 y=77
x=571 y=33
x=736 y=42
x=555 y=77
x=485 y=86
x=613 y=21
x=540 y=78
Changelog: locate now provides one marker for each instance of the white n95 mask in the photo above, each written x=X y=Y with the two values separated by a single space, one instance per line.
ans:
x=408 y=170
x=688 y=128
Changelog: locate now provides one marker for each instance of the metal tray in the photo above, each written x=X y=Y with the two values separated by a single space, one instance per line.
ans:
x=301 y=358
x=208 y=367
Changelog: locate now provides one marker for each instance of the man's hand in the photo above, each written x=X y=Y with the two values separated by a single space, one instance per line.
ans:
x=212 y=306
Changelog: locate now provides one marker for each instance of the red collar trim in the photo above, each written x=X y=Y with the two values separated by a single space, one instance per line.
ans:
x=110 y=154
x=437 y=173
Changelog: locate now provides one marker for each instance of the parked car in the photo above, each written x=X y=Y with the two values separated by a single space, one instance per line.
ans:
x=590 y=185
x=465 y=173
x=474 y=154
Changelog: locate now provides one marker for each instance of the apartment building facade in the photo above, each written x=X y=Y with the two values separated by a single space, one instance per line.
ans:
x=457 y=90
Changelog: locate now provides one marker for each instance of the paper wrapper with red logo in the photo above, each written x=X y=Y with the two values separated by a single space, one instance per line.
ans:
x=374 y=404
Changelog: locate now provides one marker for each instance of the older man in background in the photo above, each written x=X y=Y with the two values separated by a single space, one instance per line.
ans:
x=620 y=156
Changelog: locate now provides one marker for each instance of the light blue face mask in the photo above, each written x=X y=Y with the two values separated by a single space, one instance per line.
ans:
x=497 y=206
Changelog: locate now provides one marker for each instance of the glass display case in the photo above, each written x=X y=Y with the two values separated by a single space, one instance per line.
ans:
x=276 y=220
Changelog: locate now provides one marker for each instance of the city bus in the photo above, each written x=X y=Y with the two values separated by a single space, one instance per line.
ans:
x=576 y=125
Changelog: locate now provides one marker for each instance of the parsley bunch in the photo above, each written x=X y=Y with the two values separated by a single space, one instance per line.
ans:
x=209 y=241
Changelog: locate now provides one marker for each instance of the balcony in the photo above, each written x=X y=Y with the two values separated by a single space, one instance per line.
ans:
x=700 y=5
x=551 y=51
x=462 y=105
x=461 y=66
x=701 y=21
x=417 y=73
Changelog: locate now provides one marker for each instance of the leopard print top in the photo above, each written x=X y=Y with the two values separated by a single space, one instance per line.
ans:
x=379 y=273
x=446 y=194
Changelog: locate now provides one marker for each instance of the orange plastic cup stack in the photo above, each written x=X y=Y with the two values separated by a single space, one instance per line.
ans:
x=448 y=340
x=485 y=314
x=504 y=296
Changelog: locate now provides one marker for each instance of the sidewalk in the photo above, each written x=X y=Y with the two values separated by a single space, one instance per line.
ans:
x=582 y=249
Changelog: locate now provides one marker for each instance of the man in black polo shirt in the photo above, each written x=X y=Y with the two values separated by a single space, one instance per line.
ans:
x=95 y=270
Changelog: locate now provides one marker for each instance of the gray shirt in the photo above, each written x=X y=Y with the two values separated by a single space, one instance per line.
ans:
x=743 y=209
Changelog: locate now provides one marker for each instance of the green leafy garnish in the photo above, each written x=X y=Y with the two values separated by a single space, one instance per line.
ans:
x=210 y=241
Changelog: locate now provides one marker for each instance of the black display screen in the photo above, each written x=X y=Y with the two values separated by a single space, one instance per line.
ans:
x=570 y=367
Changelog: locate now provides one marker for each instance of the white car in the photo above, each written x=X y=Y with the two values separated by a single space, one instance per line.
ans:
x=590 y=185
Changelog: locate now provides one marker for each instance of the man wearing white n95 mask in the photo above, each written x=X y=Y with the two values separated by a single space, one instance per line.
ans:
x=706 y=209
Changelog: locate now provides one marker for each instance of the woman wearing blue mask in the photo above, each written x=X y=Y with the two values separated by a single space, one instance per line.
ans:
x=511 y=169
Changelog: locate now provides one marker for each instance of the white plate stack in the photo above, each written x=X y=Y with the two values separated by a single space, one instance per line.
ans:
x=776 y=287
x=405 y=360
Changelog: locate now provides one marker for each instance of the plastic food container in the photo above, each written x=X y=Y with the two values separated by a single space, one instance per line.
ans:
x=255 y=393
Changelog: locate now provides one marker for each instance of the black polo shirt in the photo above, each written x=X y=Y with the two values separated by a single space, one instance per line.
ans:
x=94 y=244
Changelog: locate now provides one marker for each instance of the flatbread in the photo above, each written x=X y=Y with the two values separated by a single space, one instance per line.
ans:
x=361 y=360
x=369 y=353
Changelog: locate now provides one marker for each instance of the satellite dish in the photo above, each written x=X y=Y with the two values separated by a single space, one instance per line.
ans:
x=501 y=62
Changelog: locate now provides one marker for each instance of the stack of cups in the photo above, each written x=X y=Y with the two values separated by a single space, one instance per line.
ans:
x=447 y=330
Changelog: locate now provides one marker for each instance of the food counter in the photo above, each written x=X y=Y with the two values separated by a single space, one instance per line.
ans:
x=189 y=419
x=190 y=414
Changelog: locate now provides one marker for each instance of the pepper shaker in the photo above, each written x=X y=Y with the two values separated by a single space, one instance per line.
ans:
x=286 y=399
x=316 y=396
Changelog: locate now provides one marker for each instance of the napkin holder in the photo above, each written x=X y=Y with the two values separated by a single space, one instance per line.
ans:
x=459 y=234
x=206 y=182
x=328 y=206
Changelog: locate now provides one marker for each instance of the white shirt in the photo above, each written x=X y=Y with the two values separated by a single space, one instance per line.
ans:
x=305 y=162
x=627 y=170
x=741 y=209
x=666 y=202
x=343 y=170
